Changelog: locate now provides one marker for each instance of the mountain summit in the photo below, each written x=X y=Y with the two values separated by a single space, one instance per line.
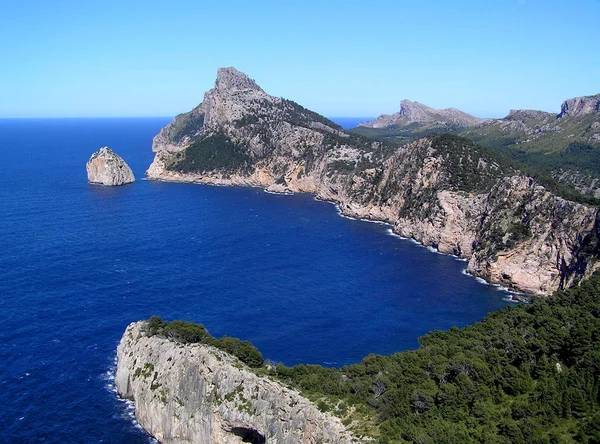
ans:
x=580 y=106
x=231 y=79
x=415 y=112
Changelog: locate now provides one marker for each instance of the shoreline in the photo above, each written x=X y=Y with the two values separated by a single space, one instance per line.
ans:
x=516 y=296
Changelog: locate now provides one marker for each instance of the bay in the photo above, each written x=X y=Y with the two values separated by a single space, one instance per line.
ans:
x=79 y=262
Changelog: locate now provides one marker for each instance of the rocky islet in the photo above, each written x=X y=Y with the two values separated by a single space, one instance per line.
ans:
x=107 y=168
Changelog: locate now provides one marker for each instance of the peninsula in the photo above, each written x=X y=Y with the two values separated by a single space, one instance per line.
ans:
x=443 y=191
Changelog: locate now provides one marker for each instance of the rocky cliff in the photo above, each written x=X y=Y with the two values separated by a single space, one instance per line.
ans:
x=443 y=191
x=107 y=168
x=580 y=106
x=564 y=146
x=194 y=393
x=417 y=113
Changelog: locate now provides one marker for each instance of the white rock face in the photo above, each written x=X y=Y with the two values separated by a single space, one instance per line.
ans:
x=107 y=168
x=194 y=393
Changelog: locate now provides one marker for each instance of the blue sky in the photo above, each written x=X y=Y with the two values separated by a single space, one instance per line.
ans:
x=63 y=58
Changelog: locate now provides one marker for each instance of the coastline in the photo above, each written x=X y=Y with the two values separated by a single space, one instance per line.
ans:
x=516 y=295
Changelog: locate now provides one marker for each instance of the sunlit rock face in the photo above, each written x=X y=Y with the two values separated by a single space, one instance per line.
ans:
x=107 y=168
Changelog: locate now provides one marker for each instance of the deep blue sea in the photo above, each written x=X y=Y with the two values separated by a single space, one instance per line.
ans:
x=79 y=262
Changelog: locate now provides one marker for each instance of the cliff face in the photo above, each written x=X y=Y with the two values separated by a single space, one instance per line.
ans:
x=197 y=394
x=580 y=106
x=442 y=191
x=107 y=168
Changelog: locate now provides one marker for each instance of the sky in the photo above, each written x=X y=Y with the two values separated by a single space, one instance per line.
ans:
x=87 y=58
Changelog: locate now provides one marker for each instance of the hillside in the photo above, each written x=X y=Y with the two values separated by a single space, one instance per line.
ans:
x=443 y=191
x=564 y=146
x=527 y=373
x=415 y=120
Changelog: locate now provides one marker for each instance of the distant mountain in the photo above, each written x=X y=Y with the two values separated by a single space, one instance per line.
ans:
x=415 y=112
x=564 y=146
x=580 y=106
x=441 y=190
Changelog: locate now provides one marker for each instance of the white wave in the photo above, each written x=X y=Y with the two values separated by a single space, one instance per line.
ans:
x=279 y=193
x=512 y=296
x=391 y=233
x=127 y=411
x=477 y=278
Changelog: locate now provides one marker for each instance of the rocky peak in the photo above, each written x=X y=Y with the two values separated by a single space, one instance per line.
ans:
x=230 y=79
x=580 y=106
x=415 y=112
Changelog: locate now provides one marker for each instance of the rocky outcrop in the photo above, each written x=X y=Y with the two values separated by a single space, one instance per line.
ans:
x=107 y=168
x=415 y=112
x=530 y=237
x=442 y=191
x=580 y=106
x=195 y=393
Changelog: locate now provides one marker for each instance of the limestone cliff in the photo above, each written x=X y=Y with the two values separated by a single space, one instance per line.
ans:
x=580 y=106
x=107 y=168
x=194 y=393
x=443 y=191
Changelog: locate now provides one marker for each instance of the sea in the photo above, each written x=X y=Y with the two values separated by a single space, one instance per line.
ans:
x=79 y=262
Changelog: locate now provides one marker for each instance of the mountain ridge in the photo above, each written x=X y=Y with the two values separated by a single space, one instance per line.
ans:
x=442 y=191
x=563 y=146
x=415 y=112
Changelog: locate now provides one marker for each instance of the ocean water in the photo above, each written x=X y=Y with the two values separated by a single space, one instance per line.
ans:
x=79 y=262
x=350 y=122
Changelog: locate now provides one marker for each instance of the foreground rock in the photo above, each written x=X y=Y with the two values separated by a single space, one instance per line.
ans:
x=107 y=168
x=443 y=191
x=198 y=394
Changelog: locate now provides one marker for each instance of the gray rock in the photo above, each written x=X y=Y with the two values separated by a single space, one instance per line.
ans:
x=195 y=393
x=107 y=168
x=415 y=112
x=580 y=106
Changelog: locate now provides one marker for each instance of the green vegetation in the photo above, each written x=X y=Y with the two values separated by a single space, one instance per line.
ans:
x=405 y=133
x=215 y=152
x=191 y=333
x=471 y=167
x=298 y=115
x=537 y=143
x=525 y=374
x=185 y=125
x=528 y=373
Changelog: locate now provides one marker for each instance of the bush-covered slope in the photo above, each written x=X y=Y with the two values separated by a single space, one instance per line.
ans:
x=191 y=333
x=529 y=373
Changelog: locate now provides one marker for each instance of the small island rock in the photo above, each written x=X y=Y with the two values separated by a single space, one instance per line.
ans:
x=107 y=168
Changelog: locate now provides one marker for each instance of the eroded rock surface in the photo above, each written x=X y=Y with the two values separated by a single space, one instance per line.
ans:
x=195 y=393
x=107 y=168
